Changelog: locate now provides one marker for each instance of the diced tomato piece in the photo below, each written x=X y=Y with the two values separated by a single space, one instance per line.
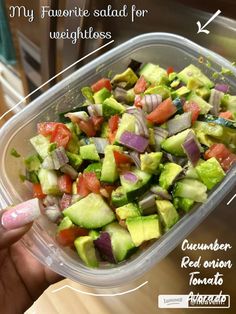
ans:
x=113 y=123
x=193 y=108
x=65 y=201
x=65 y=183
x=91 y=181
x=137 y=101
x=82 y=188
x=67 y=237
x=46 y=128
x=219 y=151
x=37 y=190
x=104 y=82
x=226 y=115
x=112 y=137
x=97 y=122
x=170 y=70
x=61 y=135
x=121 y=158
x=228 y=161
x=141 y=85
x=163 y=112
x=87 y=127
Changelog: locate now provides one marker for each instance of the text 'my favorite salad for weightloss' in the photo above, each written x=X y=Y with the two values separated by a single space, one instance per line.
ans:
x=120 y=170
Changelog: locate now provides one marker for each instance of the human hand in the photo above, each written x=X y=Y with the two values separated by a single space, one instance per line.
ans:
x=22 y=278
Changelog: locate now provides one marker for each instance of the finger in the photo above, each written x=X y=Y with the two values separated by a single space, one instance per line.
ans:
x=16 y=221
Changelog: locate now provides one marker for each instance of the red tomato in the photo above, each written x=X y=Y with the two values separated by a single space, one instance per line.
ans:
x=170 y=70
x=113 y=123
x=163 y=112
x=87 y=127
x=226 y=115
x=137 y=101
x=37 y=191
x=91 y=181
x=140 y=85
x=219 y=151
x=228 y=161
x=65 y=183
x=97 y=122
x=193 y=108
x=61 y=135
x=104 y=82
x=65 y=201
x=112 y=137
x=67 y=237
x=82 y=188
x=121 y=158
x=46 y=128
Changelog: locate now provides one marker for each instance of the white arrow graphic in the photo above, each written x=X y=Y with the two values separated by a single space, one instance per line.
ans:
x=201 y=28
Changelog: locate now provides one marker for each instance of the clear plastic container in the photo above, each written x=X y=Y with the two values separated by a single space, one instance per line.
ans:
x=160 y=48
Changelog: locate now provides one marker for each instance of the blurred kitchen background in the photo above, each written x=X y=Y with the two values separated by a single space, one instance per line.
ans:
x=28 y=57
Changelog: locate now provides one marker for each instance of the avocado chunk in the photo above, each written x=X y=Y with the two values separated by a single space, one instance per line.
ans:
x=89 y=152
x=137 y=188
x=32 y=163
x=212 y=129
x=143 y=228
x=192 y=189
x=204 y=106
x=154 y=74
x=169 y=173
x=66 y=223
x=192 y=71
x=119 y=197
x=109 y=169
x=73 y=145
x=184 y=204
x=204 y=139
x=96 y=168
x=127 y=123
x=42 y=145
x=161 y=90
x=48 y=181
x=94 y=234
x=168 y=214
x=182 y=91
x=121 y=241
x=127 y=211
x=194 y=83
x=229 y=103
x=174 y=143
x=101 y=95
x=150 y=162
x=203 y=92
x=111 y=107
x=75 y=160
x=90 y=212
x=86 y=251
x=210 y=172
x=127 y=76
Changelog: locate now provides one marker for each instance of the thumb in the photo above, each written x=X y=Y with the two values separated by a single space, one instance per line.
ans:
x=16 y=221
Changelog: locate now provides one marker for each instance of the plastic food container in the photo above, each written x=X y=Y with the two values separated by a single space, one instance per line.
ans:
x=160 y=48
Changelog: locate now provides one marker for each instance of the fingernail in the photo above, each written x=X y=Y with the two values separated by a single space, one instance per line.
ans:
x=21 y=214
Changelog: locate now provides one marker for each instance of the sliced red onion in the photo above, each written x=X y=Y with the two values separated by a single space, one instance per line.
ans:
x=120 y=94
x=48 y=163
x=179 y=123
x=130 y=177
x=215 y=100
x=160 y=135
x=95 y=110
x=53 y=213
x=222 y=88
x=104 y=246
x=147 y=201
x=50 y=200
x=134 y=141
x=141 y=121
x=192 y=148
x=59 y=157
x=100 y=143
x=136 y=159
x=159 y=191
x=65 y=201
x=77 y=116
x=68 y=169
x=182 y=161
x=150 y=102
